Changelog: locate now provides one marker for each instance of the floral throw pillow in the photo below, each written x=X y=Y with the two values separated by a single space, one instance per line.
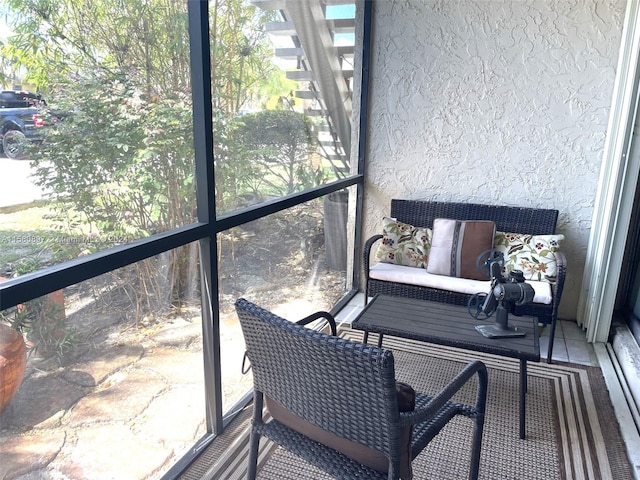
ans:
x=533 y=254
x=404 y=244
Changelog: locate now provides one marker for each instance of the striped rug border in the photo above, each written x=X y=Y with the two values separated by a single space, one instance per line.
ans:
x=582 y=441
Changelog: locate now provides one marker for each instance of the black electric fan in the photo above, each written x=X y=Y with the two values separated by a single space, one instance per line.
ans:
x=505 y=293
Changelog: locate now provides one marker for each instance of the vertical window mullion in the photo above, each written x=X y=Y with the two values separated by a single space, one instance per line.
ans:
x=203 y=138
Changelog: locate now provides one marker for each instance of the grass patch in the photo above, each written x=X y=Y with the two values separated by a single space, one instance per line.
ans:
x=31 y=239
x=23 y=206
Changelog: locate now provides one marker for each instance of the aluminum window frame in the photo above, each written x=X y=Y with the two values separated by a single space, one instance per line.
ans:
x=205 y=230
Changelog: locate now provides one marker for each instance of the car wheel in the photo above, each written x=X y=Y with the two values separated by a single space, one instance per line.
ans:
x=13 y=143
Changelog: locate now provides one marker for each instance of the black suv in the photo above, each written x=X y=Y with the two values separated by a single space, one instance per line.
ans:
x=20 y=99
x=19 y=120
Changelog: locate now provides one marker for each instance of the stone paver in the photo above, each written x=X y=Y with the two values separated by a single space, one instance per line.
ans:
x=31 y=452
x=41 y=401
x=112 y=359
x=133 y=393
x=177 y=367
x=122 y=411
x=186 y=407
x=124 y=456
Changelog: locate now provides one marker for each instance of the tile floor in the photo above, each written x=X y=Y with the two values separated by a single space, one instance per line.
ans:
x=570 y=342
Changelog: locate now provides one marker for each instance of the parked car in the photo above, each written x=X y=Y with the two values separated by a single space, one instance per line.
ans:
x=19 y=120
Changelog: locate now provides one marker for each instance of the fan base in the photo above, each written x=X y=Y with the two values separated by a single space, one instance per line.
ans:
x=497 y=331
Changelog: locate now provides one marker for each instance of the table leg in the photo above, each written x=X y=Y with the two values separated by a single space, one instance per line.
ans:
x=366 y=337
x=379 y=340
x=523 y=395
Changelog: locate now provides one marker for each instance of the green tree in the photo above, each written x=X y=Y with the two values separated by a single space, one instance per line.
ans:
x=120 y=71
x=56 y=39
x=239 y=72
x=131 y=179
x=280 y=145
x=238 y=54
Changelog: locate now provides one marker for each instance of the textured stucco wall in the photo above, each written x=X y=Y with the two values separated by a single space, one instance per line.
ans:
x=500 y=102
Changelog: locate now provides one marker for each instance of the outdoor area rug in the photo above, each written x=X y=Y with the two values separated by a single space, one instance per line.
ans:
x=571 y=430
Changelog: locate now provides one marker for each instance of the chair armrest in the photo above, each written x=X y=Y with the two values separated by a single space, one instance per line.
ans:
x=558 y=286
x=315 y=316
x=445 y=395
x=561 y=265
x=366 y=253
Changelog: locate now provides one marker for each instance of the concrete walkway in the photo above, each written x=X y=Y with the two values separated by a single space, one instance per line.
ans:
x=17 y=185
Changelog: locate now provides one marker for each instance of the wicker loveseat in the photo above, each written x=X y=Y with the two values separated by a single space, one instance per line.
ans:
x=398 y=280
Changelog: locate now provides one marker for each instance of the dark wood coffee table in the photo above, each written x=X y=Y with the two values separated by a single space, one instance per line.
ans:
x=452 y=326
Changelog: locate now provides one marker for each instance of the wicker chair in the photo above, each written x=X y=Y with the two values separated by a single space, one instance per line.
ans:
x=327 y=389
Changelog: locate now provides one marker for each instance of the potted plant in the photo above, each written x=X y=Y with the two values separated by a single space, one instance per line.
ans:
x=43 y=320
x=13 y=362
x=38 y=324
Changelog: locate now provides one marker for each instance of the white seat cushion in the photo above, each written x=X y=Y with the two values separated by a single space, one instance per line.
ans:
x=419 y=276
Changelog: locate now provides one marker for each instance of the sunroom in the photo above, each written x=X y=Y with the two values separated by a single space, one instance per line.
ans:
x=201 y=152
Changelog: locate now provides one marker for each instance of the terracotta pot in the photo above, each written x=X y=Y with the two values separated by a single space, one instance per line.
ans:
x=13 y=361
x=57 y=297
x=48 y=308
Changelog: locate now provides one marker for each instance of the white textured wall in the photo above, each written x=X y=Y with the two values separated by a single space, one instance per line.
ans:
x=500 y=102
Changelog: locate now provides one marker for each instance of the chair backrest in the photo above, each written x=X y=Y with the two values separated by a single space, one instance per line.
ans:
x=344 y=387
x=532 y=221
